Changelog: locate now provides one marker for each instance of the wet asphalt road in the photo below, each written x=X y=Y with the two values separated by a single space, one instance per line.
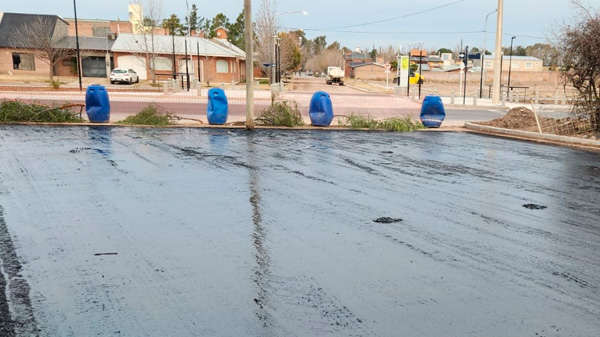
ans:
x=196 y=232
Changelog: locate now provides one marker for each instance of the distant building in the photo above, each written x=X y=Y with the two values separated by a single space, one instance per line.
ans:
x=20 y=55
x=354 y=59
x=447 y=58
x=369 y=71
x=106 y=44
x=207 y=60
x=519 y=63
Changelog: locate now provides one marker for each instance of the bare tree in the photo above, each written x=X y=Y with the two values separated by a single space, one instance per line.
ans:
x=329 y=57
x=37 y=35
x=149 y=17
x=389 y=54
x=266 y=25
x=291 y=56
x=579 y=45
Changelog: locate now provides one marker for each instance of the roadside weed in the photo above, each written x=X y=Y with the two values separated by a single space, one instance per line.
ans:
x=17 y=111
x=282 y=113
x=405 y=124
x=150 y=115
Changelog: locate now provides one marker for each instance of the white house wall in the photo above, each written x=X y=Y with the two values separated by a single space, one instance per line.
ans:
x=137 y=63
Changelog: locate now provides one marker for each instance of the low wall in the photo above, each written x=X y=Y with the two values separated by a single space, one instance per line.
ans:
x=516 y=78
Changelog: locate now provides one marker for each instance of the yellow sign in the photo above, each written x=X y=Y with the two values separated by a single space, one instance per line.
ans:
x=404 y=63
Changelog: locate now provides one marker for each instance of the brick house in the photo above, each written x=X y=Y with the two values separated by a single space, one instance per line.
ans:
x=369 y=71
x=106 y=44
x=354 y=59
x=208 y=60
x=96 y=58
x=20 y=55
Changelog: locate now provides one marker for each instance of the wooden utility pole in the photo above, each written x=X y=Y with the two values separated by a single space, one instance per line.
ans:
x=249 y=64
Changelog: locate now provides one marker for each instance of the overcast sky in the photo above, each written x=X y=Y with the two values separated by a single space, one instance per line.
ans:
x=412 y=22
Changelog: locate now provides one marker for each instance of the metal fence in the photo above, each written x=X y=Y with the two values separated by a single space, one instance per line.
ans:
x=191 y=103
x=373 y=99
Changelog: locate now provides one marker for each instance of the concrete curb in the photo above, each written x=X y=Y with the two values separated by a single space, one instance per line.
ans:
x=544 y=137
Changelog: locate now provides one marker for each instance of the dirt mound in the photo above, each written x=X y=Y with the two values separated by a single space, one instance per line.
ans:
x=517 y=118
x=521 y=118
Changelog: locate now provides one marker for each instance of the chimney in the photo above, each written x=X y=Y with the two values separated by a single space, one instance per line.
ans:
x=221 y=33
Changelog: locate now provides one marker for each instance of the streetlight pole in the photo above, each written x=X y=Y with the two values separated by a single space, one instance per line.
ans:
x=275 y=72
x=483 y=54
x=77 y=46
x=510 y=64
x=466 y=60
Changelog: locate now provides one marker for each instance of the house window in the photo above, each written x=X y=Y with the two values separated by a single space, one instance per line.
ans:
x=488 y=64
x=23 y=61
x=528 y=65
x=162 y=63
x=515 y=64
x=222 y=66
x=445 y=57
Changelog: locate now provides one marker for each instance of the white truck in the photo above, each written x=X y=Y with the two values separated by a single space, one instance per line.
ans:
x=335 y=75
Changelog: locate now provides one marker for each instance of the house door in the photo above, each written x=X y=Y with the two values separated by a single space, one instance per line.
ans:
x=94 y=66
x=138 y=64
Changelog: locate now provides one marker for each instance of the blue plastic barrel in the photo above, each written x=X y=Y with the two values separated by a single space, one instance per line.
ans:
x=432 y=112
x=320 y=110
x=97 y=105
x=217 y=108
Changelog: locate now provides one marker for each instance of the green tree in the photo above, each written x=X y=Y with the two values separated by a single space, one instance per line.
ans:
x=443 y=51
x=373 y=53
x=334 y=46
x=191 y=22
x=204 y=26
x=220 y=20
x=173 y=24
x=320 y=43
x=148 y=22
x=236 y=32
x=300 y=34
x=516 y=51
x=545 y=52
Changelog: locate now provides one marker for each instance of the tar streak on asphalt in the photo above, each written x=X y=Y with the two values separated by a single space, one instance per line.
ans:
x=194 y=232
x=14 y=289
x=534 y=206
x=387 y=219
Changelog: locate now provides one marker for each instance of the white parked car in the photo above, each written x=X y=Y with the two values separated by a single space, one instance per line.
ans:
x=124 y=76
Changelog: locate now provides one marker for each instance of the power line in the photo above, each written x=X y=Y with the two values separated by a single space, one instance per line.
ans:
x=408 y=33
x=393 y=33
x=394 y=18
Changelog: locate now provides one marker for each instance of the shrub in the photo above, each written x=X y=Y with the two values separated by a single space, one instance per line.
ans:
x=17 y=111
x=358 y=122
x=150 y=115
x=55 y=84
x=406 y=124
x=282 y=113
x=579 y=47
